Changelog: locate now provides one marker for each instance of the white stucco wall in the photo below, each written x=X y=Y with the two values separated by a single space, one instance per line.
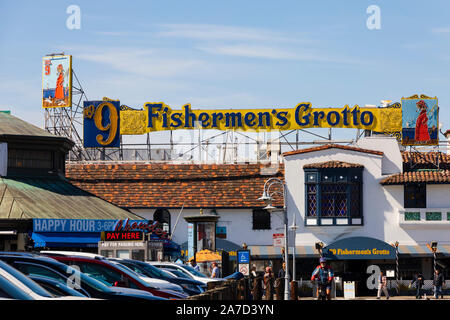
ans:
x=381 y=204
x=392 y=160
x=438 y=196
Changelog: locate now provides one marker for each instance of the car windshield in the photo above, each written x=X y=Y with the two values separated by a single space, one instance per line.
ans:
x=84 y=279
x=26 y=281
x=193 y=271
x=147 y=270
x=55 y=287
x=9 y=290
x=131 y=273
x=180 y=274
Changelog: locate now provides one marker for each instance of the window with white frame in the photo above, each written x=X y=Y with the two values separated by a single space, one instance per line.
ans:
x=333 y=196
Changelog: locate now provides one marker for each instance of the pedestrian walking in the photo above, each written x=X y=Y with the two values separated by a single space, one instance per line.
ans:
x=438 y=282
x=195 y=265
x=418 y=281
x=253 y=272
x=282 y=272
x=215 y=271
x=382 y=286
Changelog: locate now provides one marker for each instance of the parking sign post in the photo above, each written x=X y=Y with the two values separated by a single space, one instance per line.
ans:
x=243 y=261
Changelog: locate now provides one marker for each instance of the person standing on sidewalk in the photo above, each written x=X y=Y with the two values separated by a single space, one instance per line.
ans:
x=438 y=282
x=215 y=271
x=382 y=286
x=268 y=283
x=418 y=281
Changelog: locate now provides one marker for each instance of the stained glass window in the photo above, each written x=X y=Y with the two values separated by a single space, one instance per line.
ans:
x=337 y=193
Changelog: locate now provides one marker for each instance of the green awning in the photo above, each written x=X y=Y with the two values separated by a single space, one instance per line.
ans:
x=27 y=198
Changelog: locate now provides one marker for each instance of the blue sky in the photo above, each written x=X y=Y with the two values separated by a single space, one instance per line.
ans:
x=229 y=54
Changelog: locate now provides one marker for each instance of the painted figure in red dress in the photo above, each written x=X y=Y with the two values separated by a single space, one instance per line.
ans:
x=421 y=132
x=59 y=91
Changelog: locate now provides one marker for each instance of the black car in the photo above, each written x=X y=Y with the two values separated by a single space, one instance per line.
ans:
x=190 y=286
x=36 y=265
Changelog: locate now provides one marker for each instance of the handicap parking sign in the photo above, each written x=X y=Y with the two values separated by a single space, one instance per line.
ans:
x=243 y=256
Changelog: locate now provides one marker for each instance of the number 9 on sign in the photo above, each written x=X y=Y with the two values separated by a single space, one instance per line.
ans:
x=101 y=124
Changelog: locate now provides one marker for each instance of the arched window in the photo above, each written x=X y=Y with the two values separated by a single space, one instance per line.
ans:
x=163 y=217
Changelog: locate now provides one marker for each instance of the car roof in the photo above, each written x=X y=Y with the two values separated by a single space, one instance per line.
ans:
x=31 y=257
x=72 y=253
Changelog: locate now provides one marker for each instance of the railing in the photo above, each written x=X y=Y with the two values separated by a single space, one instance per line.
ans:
x=423 y=217
x=247 y=289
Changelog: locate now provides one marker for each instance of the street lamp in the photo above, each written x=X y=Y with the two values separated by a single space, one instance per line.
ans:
x=294 y=228
x=267 y=198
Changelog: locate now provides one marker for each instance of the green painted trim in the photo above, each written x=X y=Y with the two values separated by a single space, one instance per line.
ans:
x=433 y=216
x=412 y=216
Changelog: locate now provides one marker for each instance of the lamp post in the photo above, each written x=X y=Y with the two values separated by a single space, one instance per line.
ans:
x=267 y=198
x=294 y=227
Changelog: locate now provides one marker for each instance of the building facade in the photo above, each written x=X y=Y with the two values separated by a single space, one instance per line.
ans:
x=370 y=190
x=39 y=208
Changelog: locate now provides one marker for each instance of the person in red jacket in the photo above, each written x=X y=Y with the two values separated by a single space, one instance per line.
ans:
x=324 y=275
x=421 y=132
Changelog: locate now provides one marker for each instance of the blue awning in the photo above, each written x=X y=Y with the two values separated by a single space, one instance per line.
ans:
x=57 y=239
x=359 y=248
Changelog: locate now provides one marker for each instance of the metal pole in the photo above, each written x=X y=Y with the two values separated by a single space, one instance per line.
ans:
x=294 y=228
x=286 y=244
x=434 y=261
x=293 y=258
x=286 y=257
x=396 y=266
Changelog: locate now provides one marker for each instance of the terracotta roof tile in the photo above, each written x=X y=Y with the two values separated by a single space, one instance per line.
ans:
x=447 y=133
x=425 y=160
x=330 y=146
x=423 y=176
x=332 y=164
x=174 y=185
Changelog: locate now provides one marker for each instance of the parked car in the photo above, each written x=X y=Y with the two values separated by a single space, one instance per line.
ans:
x=190 y=286
x=159 y=284
x=37 y=265
x=112 y=274
x=156 y=283
x=188 y=270
x=176 y=273
x=15 y=285
x=235 y=276
x=56 y=288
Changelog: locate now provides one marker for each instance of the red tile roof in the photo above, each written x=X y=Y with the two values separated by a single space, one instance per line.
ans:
x=447 y=133
x=332 y=164
x=425 y=160
x=172 y=185
x=143 y=185
x=424 y=176
x=330 y=146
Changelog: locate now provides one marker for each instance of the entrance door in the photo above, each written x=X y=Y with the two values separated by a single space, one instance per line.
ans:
x=356 y=270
